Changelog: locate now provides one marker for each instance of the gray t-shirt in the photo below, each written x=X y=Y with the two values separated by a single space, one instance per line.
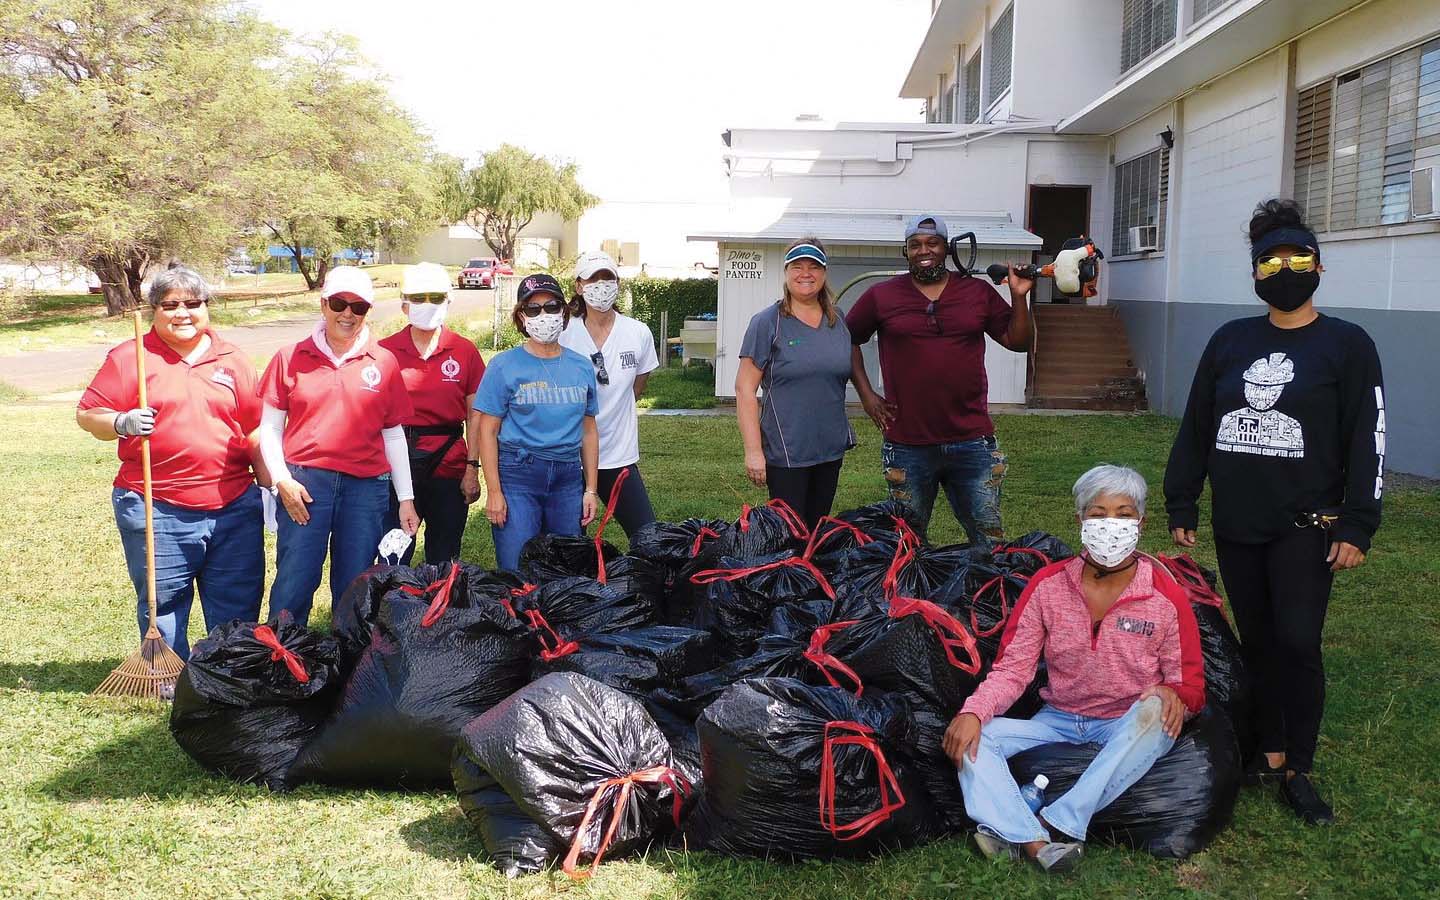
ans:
x=802 y=416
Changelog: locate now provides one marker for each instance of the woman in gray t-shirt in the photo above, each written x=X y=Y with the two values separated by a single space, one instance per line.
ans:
x=798 y=351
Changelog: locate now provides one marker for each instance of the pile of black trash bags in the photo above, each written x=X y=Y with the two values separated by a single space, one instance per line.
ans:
x=750 y=687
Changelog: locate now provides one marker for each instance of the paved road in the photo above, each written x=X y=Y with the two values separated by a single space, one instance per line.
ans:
x=51 y=371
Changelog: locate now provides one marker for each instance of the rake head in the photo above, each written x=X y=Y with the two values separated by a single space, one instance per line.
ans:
x=149 y=673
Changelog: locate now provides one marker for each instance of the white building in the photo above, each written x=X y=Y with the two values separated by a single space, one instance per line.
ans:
x=1154 y=126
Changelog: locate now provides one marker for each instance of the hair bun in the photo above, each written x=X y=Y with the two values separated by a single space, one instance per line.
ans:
x=1276 y=213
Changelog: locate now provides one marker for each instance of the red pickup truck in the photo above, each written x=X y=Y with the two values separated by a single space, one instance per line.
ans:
x=480 y=273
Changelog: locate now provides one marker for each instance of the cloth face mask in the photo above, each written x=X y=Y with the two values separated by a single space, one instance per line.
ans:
x=428 y=316
x=546 y=327
x=601 y=295
x=1287 y=290
x=1110 y=542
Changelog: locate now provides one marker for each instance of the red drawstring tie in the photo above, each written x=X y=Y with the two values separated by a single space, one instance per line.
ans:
x=679 y=788
x=705 y=531
x=787 y=513
x=524 y=590
x=948 y=630
x=709 y=575
x=840 y=526
x=1002 y=549
x=441 y=601
x=998 y=580
x=891 y=797
x=825 y=662
x=605 y=520
x=1191 y=579
x=280 y=653
x=559 y=648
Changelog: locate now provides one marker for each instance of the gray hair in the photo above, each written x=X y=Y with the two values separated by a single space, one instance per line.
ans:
x=176 y=280
x=1117 y=481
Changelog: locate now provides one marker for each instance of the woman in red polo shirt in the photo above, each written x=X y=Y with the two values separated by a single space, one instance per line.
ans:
x=201 y=424
x=441 y=370
x=331 y=437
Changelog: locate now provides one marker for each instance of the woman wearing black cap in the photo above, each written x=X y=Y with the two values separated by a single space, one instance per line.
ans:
x=1287 y=418
x=533 y=429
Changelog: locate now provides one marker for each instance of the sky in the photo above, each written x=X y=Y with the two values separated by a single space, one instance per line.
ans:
x=636 y=92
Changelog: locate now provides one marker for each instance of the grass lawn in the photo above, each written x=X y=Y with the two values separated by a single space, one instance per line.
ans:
x=97 y=801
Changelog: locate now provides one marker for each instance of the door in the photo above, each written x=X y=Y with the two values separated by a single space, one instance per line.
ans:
x=1056 y=213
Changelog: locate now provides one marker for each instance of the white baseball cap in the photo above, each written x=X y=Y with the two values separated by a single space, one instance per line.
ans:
x=348 y=280
x=592 y=261
x=424 y=278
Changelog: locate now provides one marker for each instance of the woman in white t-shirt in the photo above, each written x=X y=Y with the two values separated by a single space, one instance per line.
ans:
x=623 y=353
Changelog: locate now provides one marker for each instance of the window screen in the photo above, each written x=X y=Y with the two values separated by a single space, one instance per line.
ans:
x=1203 y=8
x=1141 y=195
x=1147 y=26
x=1002 y=35
x=1312 y=151
x=972 y=88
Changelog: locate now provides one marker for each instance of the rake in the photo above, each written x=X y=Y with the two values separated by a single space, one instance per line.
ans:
x=150 y=672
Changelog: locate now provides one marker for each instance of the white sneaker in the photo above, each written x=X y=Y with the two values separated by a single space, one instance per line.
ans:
x=992 y=846
x=1055 y=858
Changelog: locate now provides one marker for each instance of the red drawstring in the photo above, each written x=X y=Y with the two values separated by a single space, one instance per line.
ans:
x=943 y=624
x=705 y=531
x=605 y=520
x=1044 y=560
x=524 y=590
x=559 y=648
x=1004 y=607
x=1191 y=579
x=816 y=538
x=787 y=514
x=709 y=575
x=891 y=797
x=441 y=602
x=825 y=662
x=679 y=788
x=280 y=653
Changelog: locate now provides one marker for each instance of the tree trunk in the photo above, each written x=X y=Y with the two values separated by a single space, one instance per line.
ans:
x=322 y=268
x=115 y=283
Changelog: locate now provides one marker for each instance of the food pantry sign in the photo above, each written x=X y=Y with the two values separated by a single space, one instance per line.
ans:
x=744 y=264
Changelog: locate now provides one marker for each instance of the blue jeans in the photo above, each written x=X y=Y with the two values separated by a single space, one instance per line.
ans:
x=222 y=549
x=347 y=518
x=1131 y=745
x=542 y=496
x=971 y=471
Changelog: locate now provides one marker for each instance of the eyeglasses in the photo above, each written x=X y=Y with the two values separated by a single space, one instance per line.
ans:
x=427 y=298
x=358 y=307
x=532 y=310
x=934 y=319
x=601 y=375
x=172 y=305
x=1271 y=265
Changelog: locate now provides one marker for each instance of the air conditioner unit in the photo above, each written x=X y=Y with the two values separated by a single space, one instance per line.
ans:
x=1425 y=193
x=1144 y=238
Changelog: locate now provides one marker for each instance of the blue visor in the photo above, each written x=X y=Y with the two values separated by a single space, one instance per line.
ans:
x=805 y=251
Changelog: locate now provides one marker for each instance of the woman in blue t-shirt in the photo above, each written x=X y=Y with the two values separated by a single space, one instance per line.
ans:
x=533 y=428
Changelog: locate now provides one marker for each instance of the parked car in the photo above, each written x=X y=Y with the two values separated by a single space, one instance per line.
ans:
x=480 y=273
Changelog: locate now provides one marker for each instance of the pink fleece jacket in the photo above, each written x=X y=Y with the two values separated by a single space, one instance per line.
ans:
x=1147 y=638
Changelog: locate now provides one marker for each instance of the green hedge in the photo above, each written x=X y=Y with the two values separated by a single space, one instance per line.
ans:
x=680 y=297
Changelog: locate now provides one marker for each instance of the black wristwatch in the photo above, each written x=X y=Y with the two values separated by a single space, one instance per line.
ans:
x=473 y=462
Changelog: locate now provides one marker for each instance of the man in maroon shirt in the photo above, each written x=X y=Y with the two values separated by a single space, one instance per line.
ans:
x=932 y=325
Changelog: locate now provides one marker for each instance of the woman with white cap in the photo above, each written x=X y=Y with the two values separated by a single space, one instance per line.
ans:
x=798 y=349
x=441 y=370
x=331 y=436
x=622 y=351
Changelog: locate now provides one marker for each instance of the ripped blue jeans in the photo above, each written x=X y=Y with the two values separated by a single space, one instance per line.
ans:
x=971 y=471
x=1130 y=746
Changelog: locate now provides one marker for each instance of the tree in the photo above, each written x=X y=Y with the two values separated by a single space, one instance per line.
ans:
x=128 y=131
x=505 y=192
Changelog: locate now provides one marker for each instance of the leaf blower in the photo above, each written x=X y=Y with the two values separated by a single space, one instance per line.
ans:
x=1076 y=269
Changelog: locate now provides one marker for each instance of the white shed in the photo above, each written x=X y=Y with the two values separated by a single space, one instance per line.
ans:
x=859 y=242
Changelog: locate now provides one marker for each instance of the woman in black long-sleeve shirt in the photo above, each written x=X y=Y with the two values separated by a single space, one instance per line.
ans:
x=1287 y=418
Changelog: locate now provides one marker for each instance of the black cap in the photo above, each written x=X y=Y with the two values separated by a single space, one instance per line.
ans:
x=539 y=283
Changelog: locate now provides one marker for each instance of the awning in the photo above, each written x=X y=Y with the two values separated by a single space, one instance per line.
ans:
x=836 y=227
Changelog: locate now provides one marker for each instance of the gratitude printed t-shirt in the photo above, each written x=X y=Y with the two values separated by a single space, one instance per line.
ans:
x=438 y=387
x=334 y=416
x=542 y=402
x=204 y=413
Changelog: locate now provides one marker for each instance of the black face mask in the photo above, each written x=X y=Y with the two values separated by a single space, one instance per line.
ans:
x=1286 y=290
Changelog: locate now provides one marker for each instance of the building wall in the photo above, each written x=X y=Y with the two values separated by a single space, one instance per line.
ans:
x=1066 y=54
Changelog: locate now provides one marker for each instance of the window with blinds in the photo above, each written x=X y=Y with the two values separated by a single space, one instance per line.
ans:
x=972 y=89
x=1002 y=36
x=1358 y=137
x=1142 y=192
x=947 y=101
x=1203 y=8
x=1146 y=26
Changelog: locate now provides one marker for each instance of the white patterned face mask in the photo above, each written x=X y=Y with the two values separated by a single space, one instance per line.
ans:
x=601 y=295
x=1109 y=542
x=546 y=327
x=428 y=316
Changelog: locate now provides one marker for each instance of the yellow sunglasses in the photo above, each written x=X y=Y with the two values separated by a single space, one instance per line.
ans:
x=1300 y=262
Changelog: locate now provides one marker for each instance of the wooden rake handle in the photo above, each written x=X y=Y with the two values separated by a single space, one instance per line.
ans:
x=153 y=631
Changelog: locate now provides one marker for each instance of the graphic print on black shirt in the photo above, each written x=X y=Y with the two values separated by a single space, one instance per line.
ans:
x=1259 y=428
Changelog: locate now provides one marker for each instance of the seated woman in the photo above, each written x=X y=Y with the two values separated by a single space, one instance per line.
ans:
x=1123 y=656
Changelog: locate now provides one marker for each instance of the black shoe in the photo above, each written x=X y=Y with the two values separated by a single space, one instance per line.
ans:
x=1305 y=800
x=1260 y=772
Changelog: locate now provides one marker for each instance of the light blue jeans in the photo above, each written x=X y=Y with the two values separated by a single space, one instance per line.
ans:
x=1131 y=745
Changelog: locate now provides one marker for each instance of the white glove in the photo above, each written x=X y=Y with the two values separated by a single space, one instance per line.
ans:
x=136 y=422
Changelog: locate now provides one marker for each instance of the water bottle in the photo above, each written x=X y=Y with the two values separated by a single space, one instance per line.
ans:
x=1034 y=794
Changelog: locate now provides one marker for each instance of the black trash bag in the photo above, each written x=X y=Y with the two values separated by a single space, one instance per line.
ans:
x=567 y=608
x=1031 y=552
x=638 y=661
x=432 y=665
x=879 y=520
x=832 y=539
x=742 y=593
x=547 y=557
x=560 y=749
x=773 y=748
x=1176 y=809
x=982 y=596
x=252 y=696
x=676 y=544
x=633 y=576
x=767 y=530
x=935 y=770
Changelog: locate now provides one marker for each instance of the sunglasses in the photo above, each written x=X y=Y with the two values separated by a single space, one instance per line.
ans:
x=601 y=375
x=427 y=298
x=358 y=307
x=172 y=305
x=532 y=310
x=934 y=320
x=1271 y=265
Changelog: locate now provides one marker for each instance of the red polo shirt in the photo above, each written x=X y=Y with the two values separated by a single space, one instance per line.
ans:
x=204 y=414
x=438 y=387
x=334 y=416
x=934 y=371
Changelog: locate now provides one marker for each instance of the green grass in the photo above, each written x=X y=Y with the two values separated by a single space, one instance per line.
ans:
x=673 y=387
x=97 y=801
